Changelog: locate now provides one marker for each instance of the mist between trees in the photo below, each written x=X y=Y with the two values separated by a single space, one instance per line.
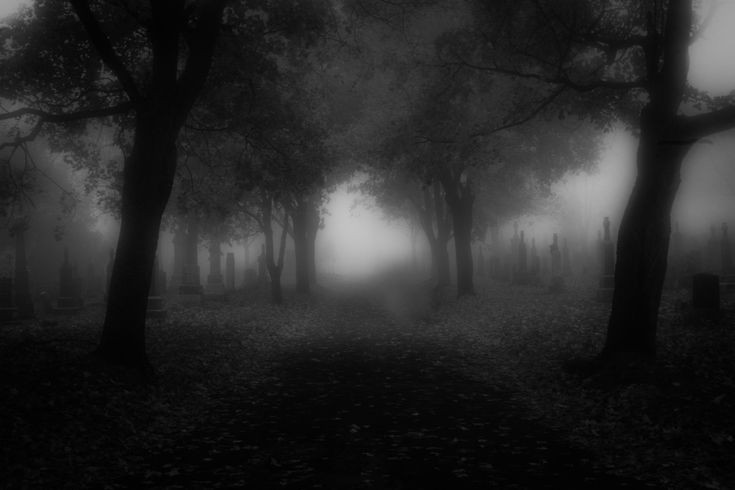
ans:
x=218 y=123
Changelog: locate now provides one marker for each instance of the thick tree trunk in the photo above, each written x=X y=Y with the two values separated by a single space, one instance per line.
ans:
x=643 y=241
x=433 y=213
x=459 y=198
x=276 y=289
x=301 y=248
x=274 y=265
x=312 y=228
x=462 y=219
x=23 y=298
x=440 y=256
x=305 y=227
x=147 y=179
x=311 y=255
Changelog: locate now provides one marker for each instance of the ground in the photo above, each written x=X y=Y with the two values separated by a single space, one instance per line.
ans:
x=371 y=386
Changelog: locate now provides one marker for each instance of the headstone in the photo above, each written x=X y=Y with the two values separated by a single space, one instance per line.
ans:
x=179 y=243
x=556 y=283
x=110 y=263
x=566 y=264
x=727 y=280
x=606 y=287
x=691 y=264
x=7 y=307
x=215 y=285
x=156 y=305
x=190 y=289
x=230 y=271
x=262 y=270
x=714 y=252
x=23 y=298
x=535 y=263
x=675 y=260
x=706 y=293
x=725 y=251
x=521 y=261
x=69 y=299
x=514 y=241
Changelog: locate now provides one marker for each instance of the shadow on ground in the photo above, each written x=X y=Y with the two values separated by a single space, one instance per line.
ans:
x=370 y=407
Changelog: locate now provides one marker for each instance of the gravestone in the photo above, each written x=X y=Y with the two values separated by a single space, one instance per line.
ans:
x=727 y=278
x=714 y=251
x=179 y=243
x=706 y=293
x=190 y=289
x=514 y=241
x=675 y=260
x=230 y=271
x=215 y=284
x=162 y=281
x=521 y=276
x=556 y=283
x=69 y=299
x=23 y=298
x=110 y=263
x=262 y=270
x=8 y=310
x=535 y=263
x=156 y=305
x=606 y=287
x=691 y=264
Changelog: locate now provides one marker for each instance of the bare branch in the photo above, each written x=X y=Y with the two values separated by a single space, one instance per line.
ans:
x=44 y=117
x=536 y=110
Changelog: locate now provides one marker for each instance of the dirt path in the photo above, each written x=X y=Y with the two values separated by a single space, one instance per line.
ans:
x=368 y=403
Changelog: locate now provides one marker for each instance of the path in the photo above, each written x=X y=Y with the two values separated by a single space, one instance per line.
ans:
x=370 y=404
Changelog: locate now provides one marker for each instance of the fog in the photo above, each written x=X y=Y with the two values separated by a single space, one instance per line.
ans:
x=357 y=244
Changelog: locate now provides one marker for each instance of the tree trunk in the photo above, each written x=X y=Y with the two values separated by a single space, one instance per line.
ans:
x=147 y=180
x=434 y=213
x=440 y=256
x=23 y=298
x=459 y=198
x=462 y=219
x=305 y=227
x=312 y=228
x=275 y=266
x=643 y=242
x=301 y=248
x=311 y=255
x=276 y=289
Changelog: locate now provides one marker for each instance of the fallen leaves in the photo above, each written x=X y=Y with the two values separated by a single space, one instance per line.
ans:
x=224 y=371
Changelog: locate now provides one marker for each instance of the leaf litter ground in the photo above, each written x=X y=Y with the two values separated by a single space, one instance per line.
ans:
x=370 y=388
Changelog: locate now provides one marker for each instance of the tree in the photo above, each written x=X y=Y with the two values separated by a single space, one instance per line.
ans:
x=144 y=64
x=628 y=60
x=403 y=194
